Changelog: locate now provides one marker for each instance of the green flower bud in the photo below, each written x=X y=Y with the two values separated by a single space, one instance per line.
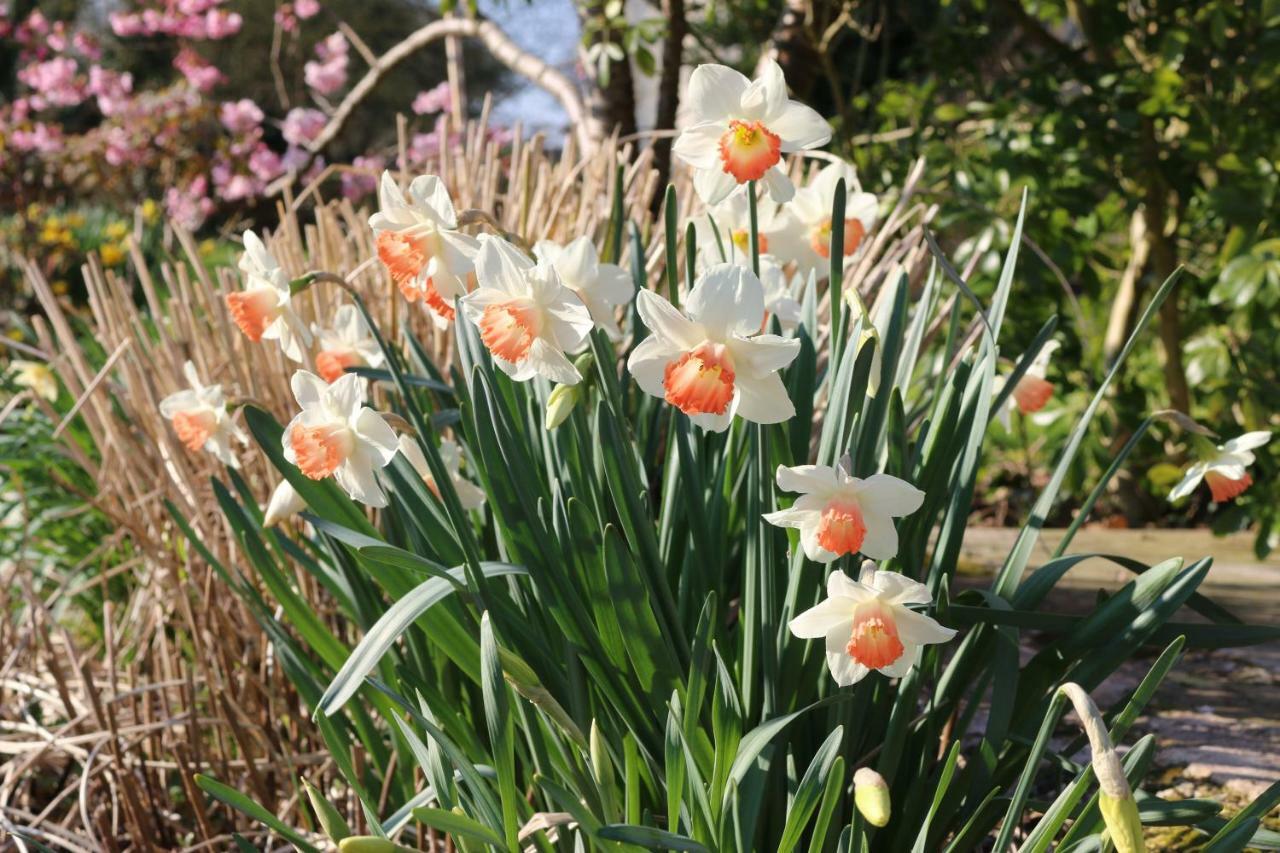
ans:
x=560 y=403
x=331 y=821
x=1123 y=825
x=871 y=796
x=367 y=844
x=1119 y=810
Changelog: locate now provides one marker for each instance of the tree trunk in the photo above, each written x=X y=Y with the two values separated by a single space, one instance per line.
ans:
x=1162 y=261
x=668 y=91
x=611 y=103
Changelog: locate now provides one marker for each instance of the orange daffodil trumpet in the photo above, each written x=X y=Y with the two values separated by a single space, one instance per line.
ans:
x=602 y=287
x=739 y=129
x=711 y=363
x=1033 y=391
x=867 y=625
x=470 y=495
x=1223 y=467
x=527 y=318
x=724 y=229
x=200 y=418
x=806 y=237
x=839 y=514
x=337 y=435
x=348 y=343
x=262 y=309
x=419 y=243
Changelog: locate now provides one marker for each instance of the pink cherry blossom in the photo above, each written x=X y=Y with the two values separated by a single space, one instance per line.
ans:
x=199 y=73
x=302 y=125
x=435 y=100
x=240 y=116
x=306 y=8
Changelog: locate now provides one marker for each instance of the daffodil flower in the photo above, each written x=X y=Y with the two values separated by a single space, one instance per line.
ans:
x=867 y=625
x=284 y=503
x=602 y=287
x=419 y=243
x=1223 y=468
x=806 y=239
x=200 y=418
x=470 y=495
x=724 y=229
x=36 y=377
x=839 y=514
x=262 y=309
x=337 y=435
x=527 y=318
x=711 y=364
x=348 y=343
x=740 y=128
x=1033 y=391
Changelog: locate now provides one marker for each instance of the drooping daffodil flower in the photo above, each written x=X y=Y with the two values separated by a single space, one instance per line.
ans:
x=419 y=243
x=1033 y=391
x=1223 y=467
x=867 y=624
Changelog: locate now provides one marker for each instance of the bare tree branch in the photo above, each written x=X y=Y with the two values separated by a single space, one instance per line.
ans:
x=503 y=49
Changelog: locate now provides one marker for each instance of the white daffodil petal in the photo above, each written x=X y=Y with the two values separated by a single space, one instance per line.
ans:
x=780 y=187
x=1248 y=441
x=727 y=299
x=800 y=127
x=889 y=495
x=820 y=619
x=715 y=91
x=1188 y=483
x=897 y=588
x=714 y=184
x=806 y=478
x=648 y=364
x=763 y=354
x=881 y=540
x=662 y=319
x=764 y=399
x=845 y=670
x=919 y=629
x=381 y=439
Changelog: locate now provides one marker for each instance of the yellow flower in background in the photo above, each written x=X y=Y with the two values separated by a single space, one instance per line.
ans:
x=150 y=211
x=112 y=255
x=207 y=247
x=60 y=288
x=116 y=230
x=75 y=220
x=36 y=377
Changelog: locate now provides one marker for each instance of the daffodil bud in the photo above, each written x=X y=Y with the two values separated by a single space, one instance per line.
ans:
x=367 y=844
x=1119 y=810
x=285 y=502
x=871 y=796
x=331 y=821
x=560 y=403
x=601 y=766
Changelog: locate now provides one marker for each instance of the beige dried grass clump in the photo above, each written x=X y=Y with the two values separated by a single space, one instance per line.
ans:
x=185 y=681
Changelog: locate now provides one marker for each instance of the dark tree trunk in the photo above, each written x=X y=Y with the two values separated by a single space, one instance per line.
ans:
x=668 y=91
x=613 y=102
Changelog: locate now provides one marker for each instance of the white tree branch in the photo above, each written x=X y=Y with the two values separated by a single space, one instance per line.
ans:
x=503 y=49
